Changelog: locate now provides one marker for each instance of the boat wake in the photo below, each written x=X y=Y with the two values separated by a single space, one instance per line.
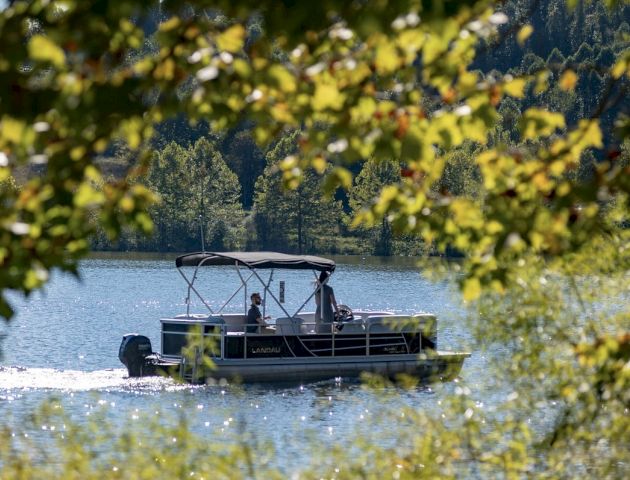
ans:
x=16 y=378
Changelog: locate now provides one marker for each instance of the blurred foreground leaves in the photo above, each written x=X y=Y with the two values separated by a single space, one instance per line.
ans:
x=546 y=251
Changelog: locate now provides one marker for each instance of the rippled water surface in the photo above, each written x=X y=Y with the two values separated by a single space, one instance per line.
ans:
x=64 y=344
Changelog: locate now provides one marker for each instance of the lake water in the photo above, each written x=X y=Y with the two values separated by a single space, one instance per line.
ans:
x=64 y=343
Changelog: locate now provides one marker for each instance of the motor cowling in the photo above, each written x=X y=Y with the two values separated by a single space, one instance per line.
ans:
x=133 y=353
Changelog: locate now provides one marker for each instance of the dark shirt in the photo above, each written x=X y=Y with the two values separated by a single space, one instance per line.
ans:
x=324 y=314
x=252 y=318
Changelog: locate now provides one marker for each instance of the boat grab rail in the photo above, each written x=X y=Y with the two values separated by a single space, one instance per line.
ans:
x=223 y=330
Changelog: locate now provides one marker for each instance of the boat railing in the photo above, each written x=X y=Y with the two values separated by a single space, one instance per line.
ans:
x=396 y=325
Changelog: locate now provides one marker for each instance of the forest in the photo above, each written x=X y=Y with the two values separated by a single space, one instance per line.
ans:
x=224 y=183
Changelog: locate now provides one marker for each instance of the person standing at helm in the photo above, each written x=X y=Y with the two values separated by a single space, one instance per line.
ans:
x=325 y=301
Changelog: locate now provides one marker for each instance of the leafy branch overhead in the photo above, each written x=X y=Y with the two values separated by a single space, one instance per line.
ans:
x=360 y=79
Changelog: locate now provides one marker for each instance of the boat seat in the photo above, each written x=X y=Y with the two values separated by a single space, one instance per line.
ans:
x=353 y=327
x=235 y=322
x=391 y=323
x=289 y=326
x=309 y=327
x=215 y=320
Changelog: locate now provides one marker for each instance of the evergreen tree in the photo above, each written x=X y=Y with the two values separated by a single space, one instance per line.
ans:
x=196 y=188
x=245 y=159
x=368 y=184
x=461 y=175
x=555 y=58
x=169 y=177
x=297 y=219
x=218 y=192
x=583 y=54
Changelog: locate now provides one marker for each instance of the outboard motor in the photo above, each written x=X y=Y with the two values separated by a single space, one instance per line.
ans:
x=133 y=353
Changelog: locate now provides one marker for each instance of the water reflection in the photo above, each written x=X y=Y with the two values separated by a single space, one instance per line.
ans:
x=289 y=417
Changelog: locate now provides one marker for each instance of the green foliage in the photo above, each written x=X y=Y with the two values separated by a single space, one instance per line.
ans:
x=152 y=448
x=245 y=159
x=292 y=219
x=374 y=176
x=196 y=188
x=546 y=249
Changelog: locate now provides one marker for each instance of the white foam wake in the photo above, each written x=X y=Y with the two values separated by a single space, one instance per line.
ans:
x=25 y=378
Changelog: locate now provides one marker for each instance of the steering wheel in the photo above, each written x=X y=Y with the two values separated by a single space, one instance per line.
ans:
x=344 y=315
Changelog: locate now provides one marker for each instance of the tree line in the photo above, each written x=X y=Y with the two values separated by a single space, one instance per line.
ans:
x=228 y=194
x=222 y=184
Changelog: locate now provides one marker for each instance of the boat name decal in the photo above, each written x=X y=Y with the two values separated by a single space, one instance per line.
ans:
x=266 y=350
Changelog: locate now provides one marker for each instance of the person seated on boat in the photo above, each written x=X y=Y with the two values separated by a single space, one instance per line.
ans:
x=325 y=301
x=255 y=319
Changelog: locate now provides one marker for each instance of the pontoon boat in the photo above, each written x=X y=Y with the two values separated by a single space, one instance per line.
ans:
x=296 y=346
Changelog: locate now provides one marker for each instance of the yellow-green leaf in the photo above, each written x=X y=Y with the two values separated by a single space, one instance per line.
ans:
x=343 y=177
x=11 y=130
x=170 y=24
x=536 y=122
x=327 y=96
x=493 y=227
x=44 y=49
x=319 y=164
x=524 y=33
x=541 y=82
x=621 y=66
x=282 y=78
x=386 y=59
x=471 y=289
x=232 y=39
x=515 y=88
x=86 y=195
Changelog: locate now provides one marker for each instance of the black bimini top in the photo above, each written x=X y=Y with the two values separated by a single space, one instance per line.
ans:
x=256 y=260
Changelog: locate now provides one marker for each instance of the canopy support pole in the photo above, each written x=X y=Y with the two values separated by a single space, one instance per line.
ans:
x=243 y=285
x=191 y=287
x=270 y=293
x=309 y=297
